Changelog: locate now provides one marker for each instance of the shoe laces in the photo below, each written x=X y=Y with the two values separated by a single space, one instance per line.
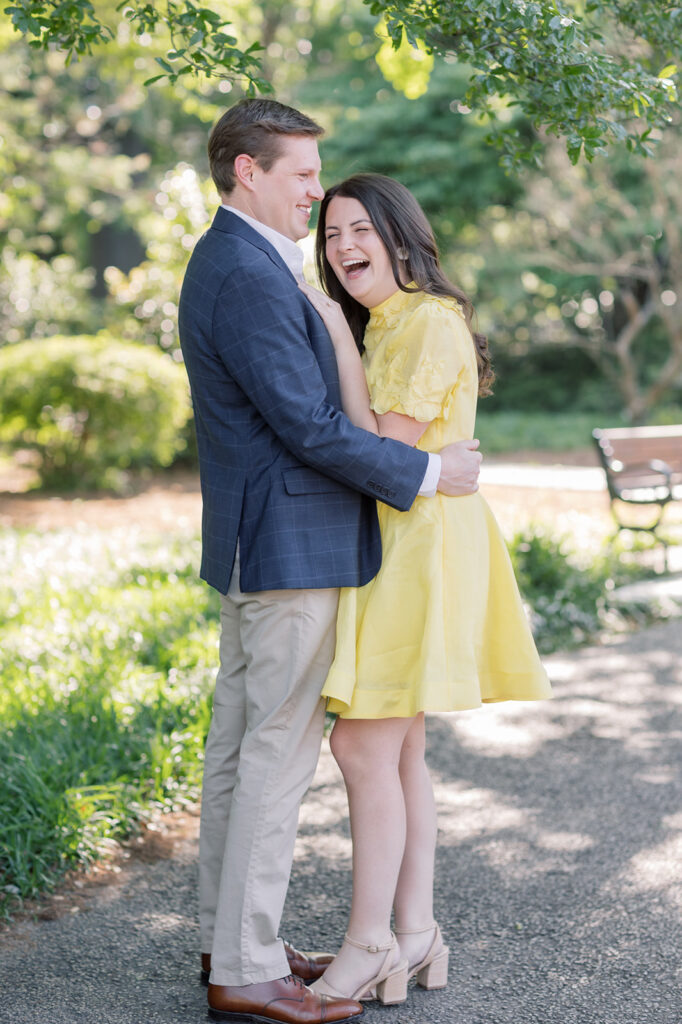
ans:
x=297 y=982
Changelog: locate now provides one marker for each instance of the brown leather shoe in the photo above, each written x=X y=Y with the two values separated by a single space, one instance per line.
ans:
x=308 y=966
x=285 y=1001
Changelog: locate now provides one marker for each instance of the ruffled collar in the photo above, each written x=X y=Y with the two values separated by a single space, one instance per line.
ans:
x=388 y=312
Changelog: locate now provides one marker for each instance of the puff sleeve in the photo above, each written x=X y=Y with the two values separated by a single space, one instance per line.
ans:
x=416 y=369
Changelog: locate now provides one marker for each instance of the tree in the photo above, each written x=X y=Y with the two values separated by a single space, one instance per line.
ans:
x=622 y=253
x=84 y=149
x=199 y=42
x=591 y=259
x=582 y=71
x=434 y=144
x=91 y=156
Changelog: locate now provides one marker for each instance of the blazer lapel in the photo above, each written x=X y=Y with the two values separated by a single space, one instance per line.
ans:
x=231 y=224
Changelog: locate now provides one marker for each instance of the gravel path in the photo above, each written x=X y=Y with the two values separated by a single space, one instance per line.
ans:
x=559 y=878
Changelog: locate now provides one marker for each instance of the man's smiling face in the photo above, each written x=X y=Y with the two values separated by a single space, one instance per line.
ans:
x=282 y=197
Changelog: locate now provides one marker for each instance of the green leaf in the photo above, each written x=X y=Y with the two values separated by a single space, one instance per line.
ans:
x=573 y=148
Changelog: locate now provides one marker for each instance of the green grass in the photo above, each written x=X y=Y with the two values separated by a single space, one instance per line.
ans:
x=108 y=649
x=503 y=432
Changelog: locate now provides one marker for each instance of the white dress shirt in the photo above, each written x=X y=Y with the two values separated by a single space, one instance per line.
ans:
x=293 y=257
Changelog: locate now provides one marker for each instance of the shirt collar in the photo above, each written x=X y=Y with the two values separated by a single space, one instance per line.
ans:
x=287 y=249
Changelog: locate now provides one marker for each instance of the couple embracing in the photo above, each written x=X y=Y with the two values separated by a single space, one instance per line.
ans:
x=358 y=567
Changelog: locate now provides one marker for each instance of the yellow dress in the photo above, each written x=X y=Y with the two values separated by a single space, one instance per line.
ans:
x=442 y=626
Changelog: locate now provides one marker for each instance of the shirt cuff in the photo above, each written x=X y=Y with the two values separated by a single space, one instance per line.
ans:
x=429 y=485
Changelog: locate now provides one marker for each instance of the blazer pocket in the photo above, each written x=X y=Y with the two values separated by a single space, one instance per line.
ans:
x=308 y=481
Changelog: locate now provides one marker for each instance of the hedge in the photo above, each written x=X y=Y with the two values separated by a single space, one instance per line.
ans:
x=92 y=408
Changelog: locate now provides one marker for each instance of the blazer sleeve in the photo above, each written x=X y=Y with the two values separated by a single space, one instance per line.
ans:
x=261 y=334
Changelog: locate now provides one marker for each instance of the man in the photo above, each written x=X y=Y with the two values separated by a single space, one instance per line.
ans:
x=289 y=489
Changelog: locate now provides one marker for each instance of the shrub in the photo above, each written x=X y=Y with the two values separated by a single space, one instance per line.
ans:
x=40 y=297
x=568 y=597
x=92 y=407
x=550 y=378
x=103 y=714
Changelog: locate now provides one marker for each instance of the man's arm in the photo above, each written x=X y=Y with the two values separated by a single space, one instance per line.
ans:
x=260 y=330
x=454 y=471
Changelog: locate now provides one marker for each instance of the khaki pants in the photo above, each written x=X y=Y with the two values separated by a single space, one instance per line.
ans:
x=275 y=651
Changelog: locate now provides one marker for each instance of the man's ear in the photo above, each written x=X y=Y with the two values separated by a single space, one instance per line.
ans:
x=244 y=167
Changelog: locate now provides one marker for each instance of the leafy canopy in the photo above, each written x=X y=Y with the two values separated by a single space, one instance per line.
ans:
x=588 y=71
x=199 y=41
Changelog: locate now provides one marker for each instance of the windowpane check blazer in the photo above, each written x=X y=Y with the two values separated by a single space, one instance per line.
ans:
x=283 y=471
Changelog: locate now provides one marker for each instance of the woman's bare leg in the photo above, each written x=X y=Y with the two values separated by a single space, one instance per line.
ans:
x=413 y=903
x=368 y=754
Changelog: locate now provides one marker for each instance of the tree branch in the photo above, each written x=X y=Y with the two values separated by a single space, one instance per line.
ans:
x=622 y=268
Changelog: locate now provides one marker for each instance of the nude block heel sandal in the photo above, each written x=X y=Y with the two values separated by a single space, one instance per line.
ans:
x=389 y=985
x=432 y=971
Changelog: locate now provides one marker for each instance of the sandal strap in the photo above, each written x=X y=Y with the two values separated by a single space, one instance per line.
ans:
x=371 y=949
x=436 y=942
x=417 y=931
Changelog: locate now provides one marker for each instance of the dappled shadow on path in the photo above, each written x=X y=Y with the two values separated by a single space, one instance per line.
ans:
x=125 y=950
x=558 y=884
x=559 y=880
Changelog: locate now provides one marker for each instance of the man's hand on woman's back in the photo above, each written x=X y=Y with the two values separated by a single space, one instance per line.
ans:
x=460 y=466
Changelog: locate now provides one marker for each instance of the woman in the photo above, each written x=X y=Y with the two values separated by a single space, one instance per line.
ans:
x=442 y=626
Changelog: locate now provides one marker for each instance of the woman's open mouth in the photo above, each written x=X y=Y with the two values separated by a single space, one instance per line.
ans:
x=354 y=268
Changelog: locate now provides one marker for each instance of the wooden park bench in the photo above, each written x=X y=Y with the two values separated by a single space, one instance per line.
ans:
x=643 y=466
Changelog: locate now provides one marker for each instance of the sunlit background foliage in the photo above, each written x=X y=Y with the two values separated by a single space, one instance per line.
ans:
x=107 y=655
x=575 y=271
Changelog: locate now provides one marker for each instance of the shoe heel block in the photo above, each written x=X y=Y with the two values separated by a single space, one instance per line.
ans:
x=393 y=989
x=435 y=974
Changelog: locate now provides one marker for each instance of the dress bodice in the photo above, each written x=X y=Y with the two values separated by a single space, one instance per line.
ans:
x=419 y=357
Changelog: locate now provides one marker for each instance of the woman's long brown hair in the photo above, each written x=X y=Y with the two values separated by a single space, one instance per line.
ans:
x=401 y=224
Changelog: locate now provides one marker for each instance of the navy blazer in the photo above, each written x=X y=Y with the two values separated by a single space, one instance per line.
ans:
x=282 y=468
